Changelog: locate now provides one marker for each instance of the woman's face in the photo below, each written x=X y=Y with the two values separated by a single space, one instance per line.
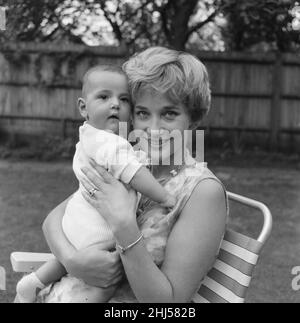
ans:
x=163 y=122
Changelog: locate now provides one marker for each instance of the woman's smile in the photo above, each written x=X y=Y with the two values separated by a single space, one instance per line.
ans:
x=159 y=144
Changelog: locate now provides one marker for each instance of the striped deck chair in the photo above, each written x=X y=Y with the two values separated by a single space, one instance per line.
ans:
x=230 y=277
x=231 y=274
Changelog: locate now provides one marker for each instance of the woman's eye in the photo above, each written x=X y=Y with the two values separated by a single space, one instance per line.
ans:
x=142 y=114
x=125 y=100
x=171 y=115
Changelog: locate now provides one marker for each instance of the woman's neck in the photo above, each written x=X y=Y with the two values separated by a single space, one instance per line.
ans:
x=162 y=171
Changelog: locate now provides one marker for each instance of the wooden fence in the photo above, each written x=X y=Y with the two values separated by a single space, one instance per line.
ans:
x=252 y=93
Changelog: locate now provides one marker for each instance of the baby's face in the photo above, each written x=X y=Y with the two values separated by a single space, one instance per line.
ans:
x=107 y=100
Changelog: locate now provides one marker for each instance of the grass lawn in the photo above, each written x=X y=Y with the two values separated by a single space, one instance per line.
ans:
x=29 y=190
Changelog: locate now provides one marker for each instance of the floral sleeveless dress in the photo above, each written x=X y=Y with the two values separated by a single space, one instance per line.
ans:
x=156 y=223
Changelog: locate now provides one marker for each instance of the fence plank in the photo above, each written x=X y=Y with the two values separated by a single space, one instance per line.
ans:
x=276 y=103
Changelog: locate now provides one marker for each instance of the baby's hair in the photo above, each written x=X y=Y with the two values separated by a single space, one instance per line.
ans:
x=100 y=68
x=180 y=75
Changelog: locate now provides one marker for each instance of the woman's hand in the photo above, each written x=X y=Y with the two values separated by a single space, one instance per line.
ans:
x=95 y=266
x=112 y=199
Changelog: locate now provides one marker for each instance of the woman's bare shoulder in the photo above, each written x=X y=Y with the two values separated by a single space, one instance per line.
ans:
x=209 y=188
x=208 y=197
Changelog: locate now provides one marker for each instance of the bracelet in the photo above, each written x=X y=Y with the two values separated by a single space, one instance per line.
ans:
x=124 y=249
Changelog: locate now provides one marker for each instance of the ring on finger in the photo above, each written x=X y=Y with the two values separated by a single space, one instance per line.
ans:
x=92 y=192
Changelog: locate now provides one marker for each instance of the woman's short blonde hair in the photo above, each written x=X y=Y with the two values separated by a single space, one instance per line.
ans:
x=181 y=75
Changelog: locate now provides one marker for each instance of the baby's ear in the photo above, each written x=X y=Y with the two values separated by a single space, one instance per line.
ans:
x=82 y=108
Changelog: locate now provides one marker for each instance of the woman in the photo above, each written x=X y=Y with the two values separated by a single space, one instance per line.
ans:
x=170 y=93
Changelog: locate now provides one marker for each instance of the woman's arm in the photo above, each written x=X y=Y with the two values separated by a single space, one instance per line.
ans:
x=94 y=265
x=195 y=240
x=145 y=183
x=192 y=245
x=190 y=253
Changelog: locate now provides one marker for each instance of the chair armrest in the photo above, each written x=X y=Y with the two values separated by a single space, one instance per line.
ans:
x=268 y=220
x=25 y=262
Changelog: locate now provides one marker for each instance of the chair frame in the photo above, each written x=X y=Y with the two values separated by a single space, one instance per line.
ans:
x=268 y=220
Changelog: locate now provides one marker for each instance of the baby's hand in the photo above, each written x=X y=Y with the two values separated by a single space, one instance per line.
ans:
x=170 y=202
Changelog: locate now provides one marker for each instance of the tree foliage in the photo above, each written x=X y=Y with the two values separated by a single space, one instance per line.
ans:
x=263 y=24
x=155 y=22
x=37 y=20
x=136 y=24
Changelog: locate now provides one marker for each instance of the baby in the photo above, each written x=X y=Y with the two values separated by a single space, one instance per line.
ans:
x=104 y=104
